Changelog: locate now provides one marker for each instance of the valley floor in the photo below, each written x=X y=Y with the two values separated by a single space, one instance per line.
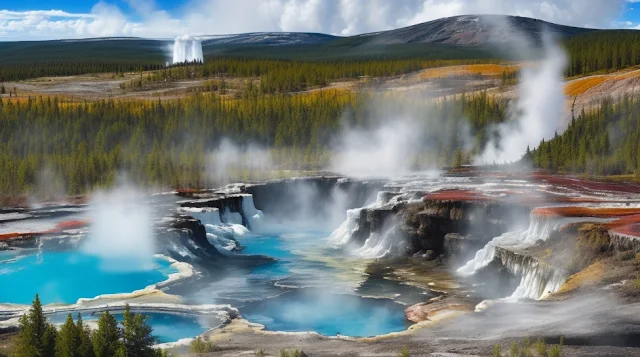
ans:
x=583 y=92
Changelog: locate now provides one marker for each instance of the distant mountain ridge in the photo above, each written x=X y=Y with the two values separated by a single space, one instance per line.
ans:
x=268 y=38
x=463 y=30
x=457 y=37
x=471 y=30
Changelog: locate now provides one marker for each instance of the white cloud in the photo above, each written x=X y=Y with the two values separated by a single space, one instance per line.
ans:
x=142 y=7
x=7 y=14
x=340 y=17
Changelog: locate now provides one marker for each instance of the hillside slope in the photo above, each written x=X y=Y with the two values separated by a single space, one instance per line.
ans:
x=128 y=49
x=448 y=38
x=268 y=39
x=471 y=30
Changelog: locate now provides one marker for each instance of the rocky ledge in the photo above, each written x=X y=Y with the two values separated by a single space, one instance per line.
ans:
x=433 y=227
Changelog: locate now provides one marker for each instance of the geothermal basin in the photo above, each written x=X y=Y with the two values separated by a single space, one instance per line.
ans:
x=329 y=255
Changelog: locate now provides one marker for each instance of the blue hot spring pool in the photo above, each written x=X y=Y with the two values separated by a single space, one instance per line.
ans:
x=326 y=313
x=166 y=327
x=66 y=276
x=308 y=288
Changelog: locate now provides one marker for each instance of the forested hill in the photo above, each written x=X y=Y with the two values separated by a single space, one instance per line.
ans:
x=81 y=146
x=604 y=50
x=605 y=141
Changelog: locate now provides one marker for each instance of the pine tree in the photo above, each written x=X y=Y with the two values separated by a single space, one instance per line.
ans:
x=68 y=341
x=49 y=341
x=527 y=159
x=137 y=338
x=38 y=321
x=85 y=349
x=26 y=345
x=32 y=333
x=106 y=339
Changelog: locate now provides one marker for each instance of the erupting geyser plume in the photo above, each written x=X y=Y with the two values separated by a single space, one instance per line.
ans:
x=539 y=110
x=187 y=49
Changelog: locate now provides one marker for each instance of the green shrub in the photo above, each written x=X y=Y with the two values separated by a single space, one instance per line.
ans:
x=496 y=351
x=164 y=353
x=555 y=351
x=540 y=347
x=260 y=353
x=294 y=353
x=404 y=352
x=200 y=346
x=514 y=351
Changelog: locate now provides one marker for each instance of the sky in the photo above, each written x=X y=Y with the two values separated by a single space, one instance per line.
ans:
x=65 y=19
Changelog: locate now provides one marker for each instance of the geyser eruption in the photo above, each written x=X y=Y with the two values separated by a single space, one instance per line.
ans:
x=121 y=232
x=538 y=112
x=187 y=49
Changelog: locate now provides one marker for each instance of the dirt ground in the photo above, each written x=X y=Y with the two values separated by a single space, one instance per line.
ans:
x=583 y=93
x=97 y=87
x=6 y=341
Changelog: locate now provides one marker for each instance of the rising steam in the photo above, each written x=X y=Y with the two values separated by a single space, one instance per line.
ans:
x=387 y=150
x=399 y=134
x=121 y=231
x=538 y=112
x=230 y=162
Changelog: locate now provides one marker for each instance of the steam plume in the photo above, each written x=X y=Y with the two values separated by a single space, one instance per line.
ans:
x=399 y=134
x=234 y=162
x=387 y=150
x=121 y=231
x=538 y=112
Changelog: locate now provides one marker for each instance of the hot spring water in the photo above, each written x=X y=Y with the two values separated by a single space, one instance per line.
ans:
x=328 y=314
x=309 y=287
x=66 y=276
x=318 y=300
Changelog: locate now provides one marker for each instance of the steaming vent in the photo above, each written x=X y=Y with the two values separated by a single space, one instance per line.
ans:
x=187 y=49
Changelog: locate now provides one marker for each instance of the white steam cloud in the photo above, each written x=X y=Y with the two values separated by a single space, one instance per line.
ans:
x=237 y=162
x=585 y=316
x=399 y=134
x=121 y=232
x=387 y=150
x=537 y=113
